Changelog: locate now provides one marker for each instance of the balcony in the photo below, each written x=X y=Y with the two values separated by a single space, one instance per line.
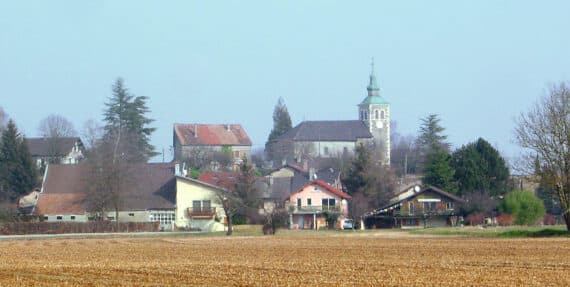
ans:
x=423 y=212
x=204 y=212
x=313 y=208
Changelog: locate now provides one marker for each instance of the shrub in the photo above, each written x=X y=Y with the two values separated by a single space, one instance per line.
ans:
x=475 y=218
x=477 y=202
x=549 y=219
x=525 y=207
x=505 y=219
x=331 y=217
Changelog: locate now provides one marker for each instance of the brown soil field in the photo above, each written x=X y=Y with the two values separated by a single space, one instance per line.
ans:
x=330 y=259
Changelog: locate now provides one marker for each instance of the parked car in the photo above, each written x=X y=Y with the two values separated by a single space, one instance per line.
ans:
x=347 y=224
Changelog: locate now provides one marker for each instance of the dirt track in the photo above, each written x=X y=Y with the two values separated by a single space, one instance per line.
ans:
x=379 y=259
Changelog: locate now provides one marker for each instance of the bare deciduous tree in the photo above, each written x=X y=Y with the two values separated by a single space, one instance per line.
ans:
x=275 y=216
x=92 y=132
x=545 y=132
x=111 y=172
x=56 y=126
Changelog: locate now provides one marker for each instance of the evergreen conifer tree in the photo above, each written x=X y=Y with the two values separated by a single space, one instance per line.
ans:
x=281 y=125
x=17 y=173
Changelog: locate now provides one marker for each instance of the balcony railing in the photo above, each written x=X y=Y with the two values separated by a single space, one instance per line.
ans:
x=313 y=208
x=423 y=211
x=201 y=212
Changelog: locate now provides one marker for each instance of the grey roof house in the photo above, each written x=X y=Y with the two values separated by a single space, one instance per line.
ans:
x=64 y=150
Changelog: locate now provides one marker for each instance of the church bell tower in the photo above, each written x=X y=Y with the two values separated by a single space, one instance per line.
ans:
x=374 y=111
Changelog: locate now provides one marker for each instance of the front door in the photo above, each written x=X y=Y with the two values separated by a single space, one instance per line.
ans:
x=300 y=222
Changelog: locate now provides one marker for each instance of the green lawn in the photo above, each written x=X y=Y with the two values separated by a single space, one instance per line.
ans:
x=511 y=231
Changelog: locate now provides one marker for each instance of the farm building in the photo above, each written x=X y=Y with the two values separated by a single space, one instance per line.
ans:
x=417 y=207
x=153 y=192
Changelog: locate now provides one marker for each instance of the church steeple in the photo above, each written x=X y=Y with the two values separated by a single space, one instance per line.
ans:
x=372 y=88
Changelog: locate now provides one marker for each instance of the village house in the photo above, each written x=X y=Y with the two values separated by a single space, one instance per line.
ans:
x=203 y=142
x=198 y=205
x=276 y=187
x=417 y=207
x=63 y=150
x=307 y=205
x=156 y=192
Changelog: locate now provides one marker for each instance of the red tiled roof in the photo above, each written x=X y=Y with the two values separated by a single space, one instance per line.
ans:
x=326 y=186
x=225 y=180
x=61 y=203
x=211 y=134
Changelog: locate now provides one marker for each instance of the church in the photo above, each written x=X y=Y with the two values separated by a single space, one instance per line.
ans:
x=328 y=139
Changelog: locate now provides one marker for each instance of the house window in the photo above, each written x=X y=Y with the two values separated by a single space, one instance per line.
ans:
x=110 y=218
x=375 y=114
x=46 y=218
x=131 y=214
x=59 y=217
x=201 y=205
x=164 y=217
x=382 y=114
x=72 y=217
x=326 y=150
x=298 y=202
x=411 y=207
x=449 y=205
x=429 y=206
x=328 y=203
x=308 y=202
x=236 y=154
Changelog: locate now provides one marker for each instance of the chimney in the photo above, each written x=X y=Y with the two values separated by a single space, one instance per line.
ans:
x=177 y=170
x=312 y=174
x=195 y=130
x=228 y=127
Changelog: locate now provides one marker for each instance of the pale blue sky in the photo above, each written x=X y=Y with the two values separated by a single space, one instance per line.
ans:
x=476 y=63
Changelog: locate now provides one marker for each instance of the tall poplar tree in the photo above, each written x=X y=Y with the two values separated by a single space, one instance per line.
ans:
x=281 y=125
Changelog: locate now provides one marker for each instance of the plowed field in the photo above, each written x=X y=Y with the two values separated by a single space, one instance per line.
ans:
x=333 y=259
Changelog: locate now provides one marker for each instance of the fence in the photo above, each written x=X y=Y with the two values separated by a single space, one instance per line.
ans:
x=12 y=228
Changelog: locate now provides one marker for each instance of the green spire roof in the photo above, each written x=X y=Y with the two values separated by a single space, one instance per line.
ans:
x=373 y=90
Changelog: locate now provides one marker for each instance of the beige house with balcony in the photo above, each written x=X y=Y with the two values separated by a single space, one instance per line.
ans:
x=198 y=206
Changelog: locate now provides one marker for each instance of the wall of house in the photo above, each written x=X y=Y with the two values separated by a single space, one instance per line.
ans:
x=183 y=152
x=283 y=172
x=419 y=205
x=65 y=217
x=324 y=148
x=186 y=193
x=316 y=193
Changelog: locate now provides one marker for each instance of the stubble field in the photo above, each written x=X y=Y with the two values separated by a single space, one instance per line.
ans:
x=333 y=259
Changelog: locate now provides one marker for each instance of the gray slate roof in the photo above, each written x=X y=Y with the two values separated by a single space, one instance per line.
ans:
x=328 y=131
x=150 y=186
x=46 y=146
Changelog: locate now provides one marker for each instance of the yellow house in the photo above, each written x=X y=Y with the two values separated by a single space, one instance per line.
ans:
x=198 y=205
